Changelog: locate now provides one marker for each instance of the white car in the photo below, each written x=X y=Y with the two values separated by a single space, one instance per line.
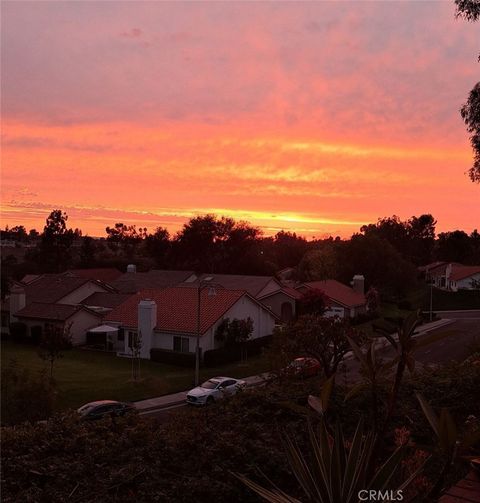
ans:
x=214 y=389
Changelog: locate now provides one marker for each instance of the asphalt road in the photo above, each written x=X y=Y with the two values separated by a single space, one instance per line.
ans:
x=460 y=315
x=455 y=347
x=459 y=338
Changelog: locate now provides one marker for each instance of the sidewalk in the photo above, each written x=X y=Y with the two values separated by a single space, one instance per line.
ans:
x=166 y=401
x=175 y=399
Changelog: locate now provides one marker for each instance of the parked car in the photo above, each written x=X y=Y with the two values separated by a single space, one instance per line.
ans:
x=303 y=367
x=214 y=389
x=104 y=408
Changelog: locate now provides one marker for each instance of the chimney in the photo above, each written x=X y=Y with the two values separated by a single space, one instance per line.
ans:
x=147 y=321
x=358 y=284
x=17 y=301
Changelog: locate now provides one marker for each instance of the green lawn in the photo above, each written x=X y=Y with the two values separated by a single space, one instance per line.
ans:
x=83 y=376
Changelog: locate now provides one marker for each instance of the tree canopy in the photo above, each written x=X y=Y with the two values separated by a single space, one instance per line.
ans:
x=470 y=111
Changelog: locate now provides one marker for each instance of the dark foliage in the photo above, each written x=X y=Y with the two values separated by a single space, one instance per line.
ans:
x=470 y=111
x=26 y=396
x=313 y=301
x=172 y=357
x=235 y=352
x=18 y=332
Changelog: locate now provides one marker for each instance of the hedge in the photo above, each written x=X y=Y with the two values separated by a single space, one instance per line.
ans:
x=235 y=352
x=18 y=332
x=172 y=357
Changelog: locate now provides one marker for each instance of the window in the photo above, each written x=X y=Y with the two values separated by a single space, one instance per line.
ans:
x=180 y=344
x=121 y=335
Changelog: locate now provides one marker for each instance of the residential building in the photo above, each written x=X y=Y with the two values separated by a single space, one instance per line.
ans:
x=43 y=299
x=344 y=301
x=268 y=290
x=168 y=319
x=77 y=319
x=453 y=276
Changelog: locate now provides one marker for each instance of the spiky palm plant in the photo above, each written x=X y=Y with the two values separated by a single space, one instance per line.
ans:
x=333 y=473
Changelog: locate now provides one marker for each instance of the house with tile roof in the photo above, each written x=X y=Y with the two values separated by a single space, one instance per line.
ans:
x=78 y=319
x=464 y=277
x=345 y=301
x=453 y=276
x=49 y=292
x=278 y=298
x=168 y=318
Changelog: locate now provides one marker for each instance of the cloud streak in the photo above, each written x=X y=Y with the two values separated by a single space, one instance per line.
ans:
x=337 y=113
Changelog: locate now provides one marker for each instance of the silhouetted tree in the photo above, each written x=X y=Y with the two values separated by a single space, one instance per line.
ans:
x=421 y=235
x=288 y=249
x=453 y=247
x=325 y=339
x=125 y=238
x=211 y=244
x=320 y=263
x=470 y=111
x=88 y=252
x=380 y=263
x=55 y=339
x=56 y=242
x=157 y=246
x=313 y=301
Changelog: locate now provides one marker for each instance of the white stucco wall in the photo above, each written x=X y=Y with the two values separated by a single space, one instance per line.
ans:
x=82 y=322
x=465 y=283
x=263 y=321
x=263 y=324
x=274 y=302
x=81 y=293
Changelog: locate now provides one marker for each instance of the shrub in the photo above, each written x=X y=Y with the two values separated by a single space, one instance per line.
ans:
x=364 y=317
x=36 y=334
x=25 y=396
x=172 y=357
x=405 y=305
x=18 y=331
x=235 y=352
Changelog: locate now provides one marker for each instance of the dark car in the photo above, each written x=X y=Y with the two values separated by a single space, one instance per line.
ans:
x=304 y=367
x=105 y=408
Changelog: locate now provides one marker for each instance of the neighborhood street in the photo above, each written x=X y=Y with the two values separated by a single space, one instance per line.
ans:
x=460 y=334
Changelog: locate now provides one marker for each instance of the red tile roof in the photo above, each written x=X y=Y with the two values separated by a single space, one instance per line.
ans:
x=177 y=308
x=463 y=271
x=44 y=311
x=339 y=292
x=441 y=269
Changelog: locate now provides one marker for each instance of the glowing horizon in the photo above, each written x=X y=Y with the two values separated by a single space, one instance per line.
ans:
x=310 y=117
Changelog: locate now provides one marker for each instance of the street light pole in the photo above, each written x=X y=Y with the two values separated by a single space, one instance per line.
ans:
x=211 y=292
x=431 y=297
x=197 y=349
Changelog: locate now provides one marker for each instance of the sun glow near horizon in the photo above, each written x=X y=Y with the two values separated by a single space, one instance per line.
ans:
x=280 y=121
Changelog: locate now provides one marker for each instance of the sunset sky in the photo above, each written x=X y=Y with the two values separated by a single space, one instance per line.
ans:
x=315 y=117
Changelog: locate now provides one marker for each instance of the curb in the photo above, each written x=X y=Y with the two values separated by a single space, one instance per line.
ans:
x=159 y=407
x=423 y=329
